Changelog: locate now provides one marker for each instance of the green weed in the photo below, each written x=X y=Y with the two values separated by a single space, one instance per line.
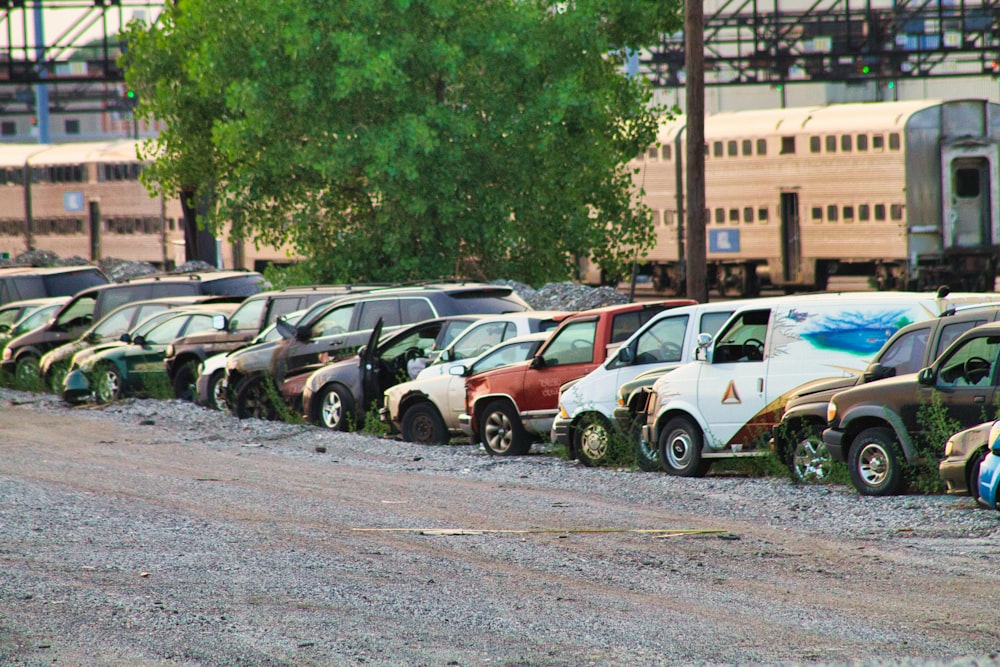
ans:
x=936 y=426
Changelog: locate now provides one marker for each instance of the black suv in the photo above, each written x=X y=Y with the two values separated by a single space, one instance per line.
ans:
x=337 y=329
x=799 y=438
x=23 y=282
x=22 y=354
x=258 y=311
x=877 y=428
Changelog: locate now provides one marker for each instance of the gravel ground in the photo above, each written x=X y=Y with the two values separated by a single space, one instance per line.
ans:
x=161 y=533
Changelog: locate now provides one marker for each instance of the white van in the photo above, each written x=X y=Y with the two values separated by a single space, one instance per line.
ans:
x=727 y=402
x=586 y=405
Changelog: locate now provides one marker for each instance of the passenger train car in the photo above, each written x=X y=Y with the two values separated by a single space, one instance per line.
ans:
x=85 y=199
x=905 y=193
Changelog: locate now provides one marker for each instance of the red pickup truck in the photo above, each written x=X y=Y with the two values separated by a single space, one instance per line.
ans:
x=505 y=405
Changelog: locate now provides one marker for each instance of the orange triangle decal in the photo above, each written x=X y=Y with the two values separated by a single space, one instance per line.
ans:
x=731 y=397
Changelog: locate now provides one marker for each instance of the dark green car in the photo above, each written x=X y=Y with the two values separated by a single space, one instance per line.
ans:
x=134 y=365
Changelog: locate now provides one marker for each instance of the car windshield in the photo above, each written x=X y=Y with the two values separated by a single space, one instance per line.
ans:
x=36 y=319
x=506 y=354
x=147 y=325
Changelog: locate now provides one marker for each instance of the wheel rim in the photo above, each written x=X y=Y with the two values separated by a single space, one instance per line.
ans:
x=594 y=442
x=332 y=410
x=107 y=386
x=57 y=379
x=811 y=460
x=679 y=449
x=26 y=371
x=218 y=393
x=421 y=428
x=873 y=465
x=498 y=431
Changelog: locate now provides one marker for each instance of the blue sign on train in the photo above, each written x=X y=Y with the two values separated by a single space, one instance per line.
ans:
x=73 y=201
x=723 y=240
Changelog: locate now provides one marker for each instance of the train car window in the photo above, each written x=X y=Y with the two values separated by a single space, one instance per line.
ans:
x=72 y=126
x=814 y=145
x=817 y=213
x=8 y=128
x=171 y=224
x=878 y=142
x=966 y=183
x=78 y=173
x=717 y=149
x=747 y=148
x=862 y=142
x=788 y=145
x=864 y=212
x=848 y=214
x=831 y=213
x=668 y=217
x=665 y=152
x=879 y=212
x=845 y=143
x=896 y=211
x=762 y=147
x=652 y=153
x=748 y=214
x=734 y=215
x=894 y=141
x=720 y=216
x=831 y=144
x=731 y=149
x=762 y=215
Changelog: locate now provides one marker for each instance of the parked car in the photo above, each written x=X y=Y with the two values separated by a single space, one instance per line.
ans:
x=799 y=438
x=338 y=329
x=339 y=395
x=877 y=428
x=487 y=332
x=18 y=283
x=586 y=406
x=989 y=475
x=23 y=353
x=11 y=312
x=728 y=402
x=135 y=365
x=254 y=314
x=426 y=410
x=505 y=407
x=55 y=364
x=963 y=455
x=31 y=317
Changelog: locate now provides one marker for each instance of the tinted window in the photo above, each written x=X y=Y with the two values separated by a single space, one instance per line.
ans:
x=28 y=287
x=906 y=353
x=626 y=324
x=247 y=316
x=387 y=309
x=247 y=285
x=415 y=310
x=486 y=302
x=573 y=344
x=710 y=322
x=450 y=332
x=951 y=332
x=972 y=364
x=68 y=284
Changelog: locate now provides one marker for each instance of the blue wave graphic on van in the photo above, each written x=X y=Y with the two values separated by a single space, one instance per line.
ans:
x=854 y=332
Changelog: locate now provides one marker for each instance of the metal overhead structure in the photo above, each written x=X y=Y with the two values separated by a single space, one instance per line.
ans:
x=787 y=41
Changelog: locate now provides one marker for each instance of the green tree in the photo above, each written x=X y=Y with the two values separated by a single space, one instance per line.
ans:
x=405 y=139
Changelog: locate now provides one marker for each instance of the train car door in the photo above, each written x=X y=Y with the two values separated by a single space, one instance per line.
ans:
x=791 y=243
x=970 y=202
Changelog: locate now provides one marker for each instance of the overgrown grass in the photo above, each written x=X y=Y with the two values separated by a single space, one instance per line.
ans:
x=936 y=426
x=372 y=424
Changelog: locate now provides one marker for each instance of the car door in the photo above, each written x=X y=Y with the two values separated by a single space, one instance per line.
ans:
x=143 y=358
x=568 y=355
x=318 y=341
x=964 y=385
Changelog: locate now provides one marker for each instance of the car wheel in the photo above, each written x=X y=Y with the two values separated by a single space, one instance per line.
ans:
x=875 y=463
x=500 y=430
x=809 y=460
x=592 y=440
x=57 y=377
x=217 y=391
x=680 y=449
x=107 y=384
x=421 y=423
x=333 y=407
x=184 y=382
x=253 y=400
x=972 y=476
x=26 y=372
x=647 y=455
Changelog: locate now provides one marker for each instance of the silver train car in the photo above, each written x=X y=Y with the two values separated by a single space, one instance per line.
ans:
x=86 y=200
x=903 y=193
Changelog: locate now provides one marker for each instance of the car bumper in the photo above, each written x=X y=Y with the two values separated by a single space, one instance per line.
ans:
x=465 y=424
x=834 y=441
x=76 y=388
x=952 y=473
x=989 y=479
x=560 y=433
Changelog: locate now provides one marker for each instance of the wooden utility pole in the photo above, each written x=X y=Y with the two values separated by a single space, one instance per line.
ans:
x=694 y=66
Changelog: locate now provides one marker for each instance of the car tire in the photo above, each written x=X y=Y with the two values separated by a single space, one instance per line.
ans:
x=680 y=446
x=809 y=461
x=875 y=463
x=253 y=400
x=501 y=431
x=333 y=407
x=592 y=440
x=107 y=383
x=184 y=382
x=647 y=455
x=421 y=423
x=26 y=372
x=217 y=391
x=972 y=472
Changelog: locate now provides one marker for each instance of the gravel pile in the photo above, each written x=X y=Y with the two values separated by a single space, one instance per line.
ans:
x=42 y=258
x=566 y=295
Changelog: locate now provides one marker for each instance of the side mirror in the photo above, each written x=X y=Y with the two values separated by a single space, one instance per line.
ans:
x=285 y=329
x=125 y=337
x=139 y=340
x=926 y=376
x=704 y=340
x=877 y=371
x=443 y=356
x=458 y=371
x=537 y=362
x=625 y=355
x=219 y=322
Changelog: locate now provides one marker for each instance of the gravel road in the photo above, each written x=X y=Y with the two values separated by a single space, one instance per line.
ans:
x=161 y=533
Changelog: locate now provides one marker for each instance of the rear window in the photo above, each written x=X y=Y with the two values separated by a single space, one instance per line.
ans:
x=626 y=324
x=247 y=285
x=71 y=282
x=487 y=302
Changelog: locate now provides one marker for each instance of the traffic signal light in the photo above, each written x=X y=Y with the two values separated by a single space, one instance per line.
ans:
x=129 y=99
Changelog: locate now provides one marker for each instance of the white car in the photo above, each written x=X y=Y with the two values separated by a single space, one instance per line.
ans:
x=426 y=410
x=487 y=332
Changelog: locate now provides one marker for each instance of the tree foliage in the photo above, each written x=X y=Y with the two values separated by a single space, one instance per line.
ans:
x=406 y=139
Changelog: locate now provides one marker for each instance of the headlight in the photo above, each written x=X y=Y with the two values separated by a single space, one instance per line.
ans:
x=562 y=412
x=170 y=350
x=831 y=412
x=7 y=353
x=949 y=446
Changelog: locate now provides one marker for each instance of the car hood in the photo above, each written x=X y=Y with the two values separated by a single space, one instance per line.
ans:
x=873 y=391
x=344 y=370
x=824 y=385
